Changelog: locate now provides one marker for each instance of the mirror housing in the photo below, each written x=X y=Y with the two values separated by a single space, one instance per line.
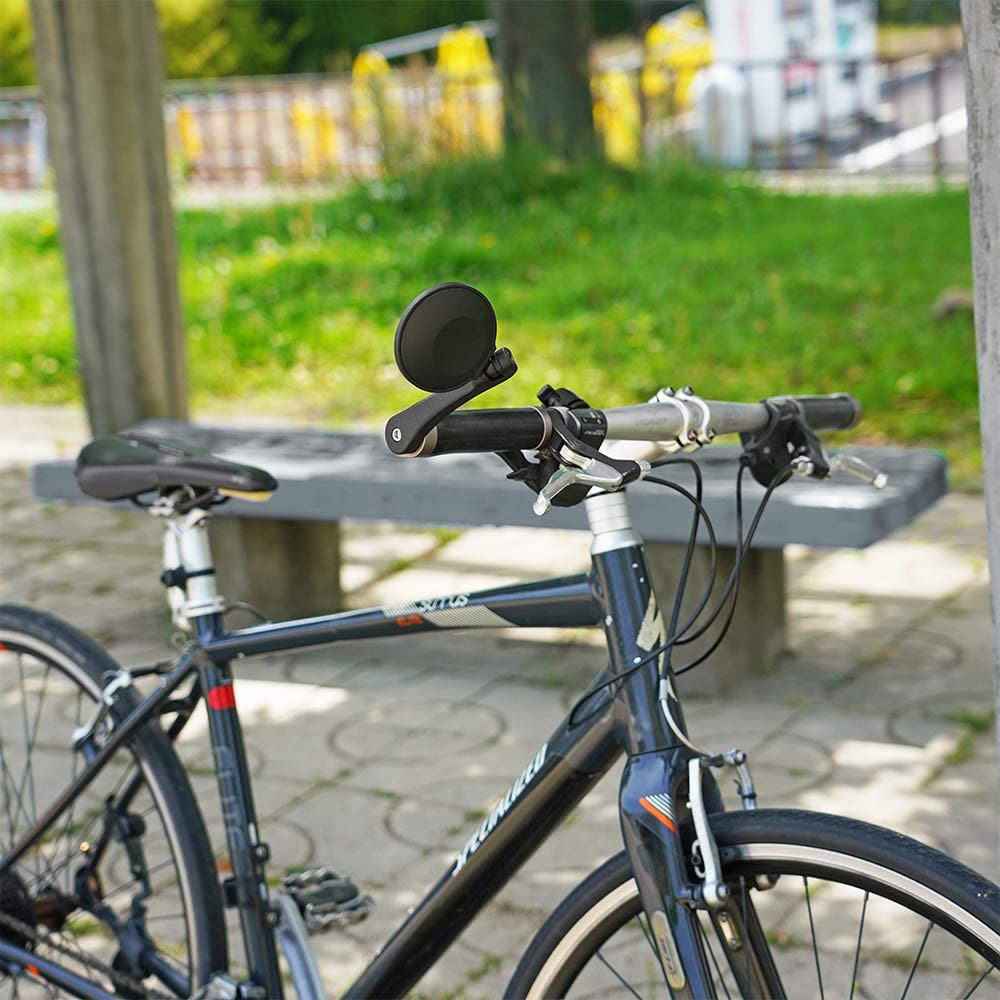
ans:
x=445 y=344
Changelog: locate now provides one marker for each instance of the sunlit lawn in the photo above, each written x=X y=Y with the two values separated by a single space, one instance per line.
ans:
x=612 y=283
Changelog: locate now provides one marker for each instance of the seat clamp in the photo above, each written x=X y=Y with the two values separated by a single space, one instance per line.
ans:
x=179 y=576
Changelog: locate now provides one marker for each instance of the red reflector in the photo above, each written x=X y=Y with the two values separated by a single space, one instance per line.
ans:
x=222 y=697
x=2 y=646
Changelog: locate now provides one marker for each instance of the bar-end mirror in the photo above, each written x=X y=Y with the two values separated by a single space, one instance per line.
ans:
x=446 y=345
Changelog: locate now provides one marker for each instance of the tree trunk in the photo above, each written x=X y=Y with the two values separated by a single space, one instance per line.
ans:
x=101 y=72
x=981 y=23
x=543 y=48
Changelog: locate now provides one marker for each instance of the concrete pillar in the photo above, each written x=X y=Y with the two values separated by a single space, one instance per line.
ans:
x=101 y=72
x=757 y=635
x=981 y=26
x=285 y=569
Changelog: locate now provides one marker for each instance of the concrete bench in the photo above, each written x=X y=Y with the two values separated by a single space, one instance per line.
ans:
x=283 y=556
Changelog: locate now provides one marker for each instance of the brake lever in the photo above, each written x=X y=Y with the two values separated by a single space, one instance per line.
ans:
x=593 y=473
x=583 y=465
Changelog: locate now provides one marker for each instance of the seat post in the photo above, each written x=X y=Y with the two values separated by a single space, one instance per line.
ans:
x=187 y=556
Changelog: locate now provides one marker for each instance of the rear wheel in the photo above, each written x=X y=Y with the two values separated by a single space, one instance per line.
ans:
x=74 y=898
x=857 y=911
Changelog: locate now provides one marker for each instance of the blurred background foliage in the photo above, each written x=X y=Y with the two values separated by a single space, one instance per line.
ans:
x=210 y=38
x=608 y=280
x=17 y=63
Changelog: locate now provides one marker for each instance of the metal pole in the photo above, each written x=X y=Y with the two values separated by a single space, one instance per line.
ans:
x=936 y=112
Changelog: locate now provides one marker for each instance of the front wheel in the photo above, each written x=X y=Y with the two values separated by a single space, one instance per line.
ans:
x=856 y=911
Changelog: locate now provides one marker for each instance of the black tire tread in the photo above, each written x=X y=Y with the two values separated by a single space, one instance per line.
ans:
x=973 y=892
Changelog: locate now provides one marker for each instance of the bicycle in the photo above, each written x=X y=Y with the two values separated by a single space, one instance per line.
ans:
x=110 y=889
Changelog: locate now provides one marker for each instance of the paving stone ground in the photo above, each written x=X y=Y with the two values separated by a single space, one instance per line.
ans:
x=380 y=758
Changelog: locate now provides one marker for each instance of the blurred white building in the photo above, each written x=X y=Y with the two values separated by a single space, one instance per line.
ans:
x=810 y=63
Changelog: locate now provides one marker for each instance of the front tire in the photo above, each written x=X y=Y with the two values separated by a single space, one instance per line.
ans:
x=857 y=911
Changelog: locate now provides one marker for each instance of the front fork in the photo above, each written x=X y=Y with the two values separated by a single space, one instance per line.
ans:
x=652 y=806
x=656 y=826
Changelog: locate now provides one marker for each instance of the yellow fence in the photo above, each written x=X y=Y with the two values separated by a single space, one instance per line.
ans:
x=323 y=129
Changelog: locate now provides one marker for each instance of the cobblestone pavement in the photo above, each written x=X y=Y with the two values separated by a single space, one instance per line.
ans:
x=380 y=759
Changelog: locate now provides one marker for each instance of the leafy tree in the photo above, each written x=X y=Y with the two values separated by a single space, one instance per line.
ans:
x=333 y=32
x=205 y=38
x=17 y=63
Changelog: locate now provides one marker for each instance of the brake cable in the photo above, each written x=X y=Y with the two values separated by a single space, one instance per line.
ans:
x=743 y=545
x=657 y=651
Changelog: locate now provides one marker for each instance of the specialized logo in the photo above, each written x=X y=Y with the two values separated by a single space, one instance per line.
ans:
x=651 y=631
x=500 y=810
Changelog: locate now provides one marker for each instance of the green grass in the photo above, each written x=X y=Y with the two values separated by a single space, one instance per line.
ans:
x=613 y=283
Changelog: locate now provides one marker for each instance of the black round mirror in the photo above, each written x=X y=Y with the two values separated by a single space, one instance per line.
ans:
x=445 y=337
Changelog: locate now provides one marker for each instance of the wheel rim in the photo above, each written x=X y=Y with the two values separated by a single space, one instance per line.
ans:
x=46 y=695
x=828 y=938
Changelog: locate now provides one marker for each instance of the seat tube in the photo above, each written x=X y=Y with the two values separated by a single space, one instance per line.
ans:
x=246 y=889
x=655 y=772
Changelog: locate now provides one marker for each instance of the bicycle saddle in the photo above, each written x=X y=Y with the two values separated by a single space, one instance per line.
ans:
x=121 y=466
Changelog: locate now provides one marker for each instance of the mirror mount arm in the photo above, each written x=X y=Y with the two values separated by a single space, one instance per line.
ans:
x=405 y=432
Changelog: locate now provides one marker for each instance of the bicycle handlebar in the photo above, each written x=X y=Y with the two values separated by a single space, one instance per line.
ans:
x=529 y=428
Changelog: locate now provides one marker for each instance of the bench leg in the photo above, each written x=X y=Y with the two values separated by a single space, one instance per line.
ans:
x=757 y=634
x=285 y=569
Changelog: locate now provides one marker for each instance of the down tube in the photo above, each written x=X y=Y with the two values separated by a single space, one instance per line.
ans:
x=560 y=774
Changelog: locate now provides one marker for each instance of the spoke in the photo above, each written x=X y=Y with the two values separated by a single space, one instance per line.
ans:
x=19 y=786
x=158 y=867
x=978 y=982
x=34 y=731
x=652 y=944
x=812 y=932
x=42 y=856
x=857 y=950
x=66 y=830
x=646 y=934
x=9 y=783
x=711 y=952
x=29 y=740
x=85 y=834
x=7 y=804
x=745 y=929
x=618 y=976
x=916 y=961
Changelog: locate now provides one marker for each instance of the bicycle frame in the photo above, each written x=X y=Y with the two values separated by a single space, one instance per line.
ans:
x=623 y=716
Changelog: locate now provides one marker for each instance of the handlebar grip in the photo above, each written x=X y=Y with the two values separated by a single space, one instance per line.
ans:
x=514 y=429
x=838 y=411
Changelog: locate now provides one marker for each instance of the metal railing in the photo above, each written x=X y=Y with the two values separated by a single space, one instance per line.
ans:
x=904 y=116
